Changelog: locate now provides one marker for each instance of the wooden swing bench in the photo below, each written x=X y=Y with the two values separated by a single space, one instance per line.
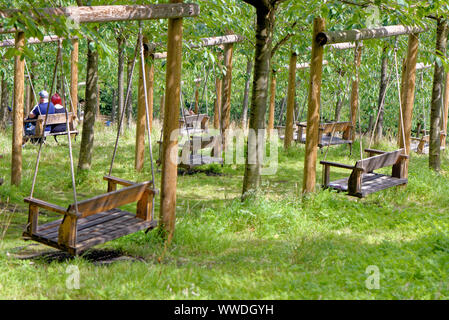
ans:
x=327 y=133
x=52 y=120
x=363 y=181
x=421 y=145
x=190 y=156
x=197 y=123
x=98 y=220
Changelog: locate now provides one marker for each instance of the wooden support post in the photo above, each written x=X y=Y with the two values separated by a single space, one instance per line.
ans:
x=197 y=96
x=150 y=88
x=226 y=94
x=313 y=111
x=291 y=93
x=272 y=101
x=355 y=92
x=408 y=95
x=171 y=125
x=19 y=84
x=141 y=112
x=74 y=77
x=218 y=88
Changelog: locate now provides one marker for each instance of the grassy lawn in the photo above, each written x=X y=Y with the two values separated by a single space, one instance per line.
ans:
x=274 y=246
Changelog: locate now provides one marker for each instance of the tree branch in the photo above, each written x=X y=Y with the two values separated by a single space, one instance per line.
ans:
x=283 y=40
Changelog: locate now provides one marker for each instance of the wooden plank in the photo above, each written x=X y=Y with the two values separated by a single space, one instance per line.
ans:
x=338 y=165
x=57 y=118
x=46 y=205
x=333 y=127
x=120 y=181
x=30 y=41
x=111 y=13
x=110 y=200
x=86 y=222
x=331 y=37
x=138 y=225
x=379 y=161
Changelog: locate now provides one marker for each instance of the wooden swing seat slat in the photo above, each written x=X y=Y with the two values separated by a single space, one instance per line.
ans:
x=97 y=220
x=93 y=230
x=371 y=183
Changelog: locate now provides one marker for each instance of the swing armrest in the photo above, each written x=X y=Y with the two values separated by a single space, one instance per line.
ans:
x=119 y=181
x=338 y=165
x=46 y=205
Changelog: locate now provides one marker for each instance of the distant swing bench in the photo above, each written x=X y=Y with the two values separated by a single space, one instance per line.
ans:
x=363 y=181
x=98 y=220
x=53 y=119
x=197 y=123
x=327 y=133
x=421 y=145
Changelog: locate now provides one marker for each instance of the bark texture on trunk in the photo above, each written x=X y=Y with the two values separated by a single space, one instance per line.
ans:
x=249 y=69
x=90 y=109
x=264 y=38
x=437 y=97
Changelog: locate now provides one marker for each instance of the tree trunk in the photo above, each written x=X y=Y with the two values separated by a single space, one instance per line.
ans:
x=249 y=69
x=289 y=122
x=264 y=37
x=120 y=78
x=217 y=108
x=382 y=93
x=272 y=101
x=437 y=97
x=90 y=109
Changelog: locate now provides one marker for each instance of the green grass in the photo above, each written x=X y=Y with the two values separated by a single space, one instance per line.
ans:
x=275 y=245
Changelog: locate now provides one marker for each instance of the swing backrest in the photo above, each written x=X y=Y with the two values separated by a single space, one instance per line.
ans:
x=379 y=161
x=111 y=200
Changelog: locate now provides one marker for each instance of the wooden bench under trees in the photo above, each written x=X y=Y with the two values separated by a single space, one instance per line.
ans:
x=363 y=181
x=421 y=145
x=52 y=120
x=192 y=124
x=330 y=133
x=191 y=156
x=97 y=220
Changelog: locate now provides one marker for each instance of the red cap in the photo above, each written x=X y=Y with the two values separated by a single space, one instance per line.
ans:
x=56 y=99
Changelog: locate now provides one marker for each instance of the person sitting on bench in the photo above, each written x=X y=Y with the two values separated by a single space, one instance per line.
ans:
x=40 y=109
x=57 y=102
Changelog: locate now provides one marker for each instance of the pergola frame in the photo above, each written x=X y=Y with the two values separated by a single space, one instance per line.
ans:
x=175 y=11
x=321 y=38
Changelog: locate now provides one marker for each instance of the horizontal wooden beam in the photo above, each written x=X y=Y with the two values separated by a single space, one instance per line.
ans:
x=46 y=39
x=332 y=37
x=305 y=65
x=215 y=41
x=112 y=13
x=423 y=66
x=204 y=42
x=339 y=46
